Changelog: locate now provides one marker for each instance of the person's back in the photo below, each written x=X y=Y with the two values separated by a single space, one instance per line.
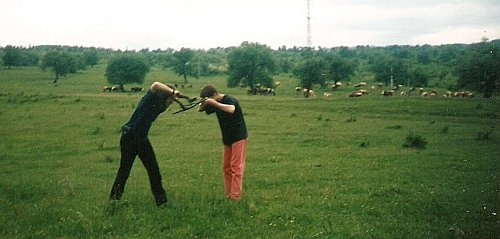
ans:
x=150 y=106
x=232 y=125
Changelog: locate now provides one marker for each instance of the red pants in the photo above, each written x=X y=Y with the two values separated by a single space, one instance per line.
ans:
x=233 y=166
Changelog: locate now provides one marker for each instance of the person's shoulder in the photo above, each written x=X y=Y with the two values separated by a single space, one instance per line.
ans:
x=149 y=94
x=229 y=99
x=153 y=96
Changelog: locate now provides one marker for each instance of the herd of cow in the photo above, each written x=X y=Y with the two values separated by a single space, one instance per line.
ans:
x=120 y=88
x=411 y=91
x=360 y=90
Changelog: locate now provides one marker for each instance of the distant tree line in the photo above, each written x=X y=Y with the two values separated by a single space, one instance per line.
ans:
x=455 y=66
x=61 y=60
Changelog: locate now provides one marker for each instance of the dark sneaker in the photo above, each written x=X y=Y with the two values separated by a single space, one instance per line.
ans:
x=161 y=201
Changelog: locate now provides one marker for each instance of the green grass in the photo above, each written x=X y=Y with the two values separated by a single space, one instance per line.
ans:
x=316 y=168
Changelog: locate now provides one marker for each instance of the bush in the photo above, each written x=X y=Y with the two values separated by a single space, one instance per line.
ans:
x=484 y=135
x=394 y=127
x=127 y=69
x=415 y=141
x=352 y=119
x=445 y=130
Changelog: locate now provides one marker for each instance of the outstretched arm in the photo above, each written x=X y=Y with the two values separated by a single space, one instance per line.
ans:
x=158 y=86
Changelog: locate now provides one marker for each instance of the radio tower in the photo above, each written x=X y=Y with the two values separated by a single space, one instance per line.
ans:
x=309 y=41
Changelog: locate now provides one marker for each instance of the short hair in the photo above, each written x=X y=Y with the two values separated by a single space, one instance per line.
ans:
x=208 y=91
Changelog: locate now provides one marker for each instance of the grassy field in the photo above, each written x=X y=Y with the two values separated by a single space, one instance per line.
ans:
x=316 y=168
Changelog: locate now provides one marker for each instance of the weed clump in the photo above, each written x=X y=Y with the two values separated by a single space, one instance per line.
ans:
x=96 y=130
x=394 y=127
x=108 y=159
x=100 y=145
x=415 y=141
x=445 y=130
x=352 y=119
x=484 y=135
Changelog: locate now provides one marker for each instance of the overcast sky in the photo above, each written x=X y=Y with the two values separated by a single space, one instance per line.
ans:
x=161 y=24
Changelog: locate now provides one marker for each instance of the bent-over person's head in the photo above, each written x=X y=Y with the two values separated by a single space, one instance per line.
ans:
x=208 y=91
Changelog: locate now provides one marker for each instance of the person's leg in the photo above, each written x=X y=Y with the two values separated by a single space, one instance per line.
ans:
x=226 y=170
x=128 y=153
x=237 y=168
x=148 y=158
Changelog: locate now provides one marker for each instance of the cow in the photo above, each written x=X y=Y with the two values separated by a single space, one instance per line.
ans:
x=113 y=88
x=135 y=89
x=118 y=88
x=364 y=92
x=261 y=91
x=267 y=91
x=356 y=94
x=336 y=85
x=308 y=93
x=360 y=84
x=387 y=92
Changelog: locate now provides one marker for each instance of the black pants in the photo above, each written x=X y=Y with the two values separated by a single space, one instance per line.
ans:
x=130 y=148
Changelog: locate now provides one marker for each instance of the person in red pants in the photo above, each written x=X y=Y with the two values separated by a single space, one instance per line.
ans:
x=234 y=137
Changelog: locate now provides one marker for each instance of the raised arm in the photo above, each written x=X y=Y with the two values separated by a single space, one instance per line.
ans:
x=158 y=86
x=224 y=107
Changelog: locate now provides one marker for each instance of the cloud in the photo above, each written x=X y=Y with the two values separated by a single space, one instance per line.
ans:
x=453 y=35
x=205 y=24
x=403 y=22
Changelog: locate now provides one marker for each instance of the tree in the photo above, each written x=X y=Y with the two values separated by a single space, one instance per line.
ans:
x=338 y=68
x=29 y=58
x=182 y=64
x=125 y=69
x=12 y=56
x=251 y=64
x=90 y=57
x=387 y=67
x=480 y=68
x=418 y=76
x=310 y=72
x=60 y=62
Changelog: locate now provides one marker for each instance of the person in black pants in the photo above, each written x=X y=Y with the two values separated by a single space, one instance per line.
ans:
x=134 y=141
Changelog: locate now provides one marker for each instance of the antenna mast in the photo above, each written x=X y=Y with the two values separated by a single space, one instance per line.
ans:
x=309 y=40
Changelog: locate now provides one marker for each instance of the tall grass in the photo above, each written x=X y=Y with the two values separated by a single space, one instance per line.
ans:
x=311 y=172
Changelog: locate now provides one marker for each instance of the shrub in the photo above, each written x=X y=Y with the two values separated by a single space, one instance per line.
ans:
x=484 y=135
x=394 y=127
x=127 y=69
x=445 y=130
x=415 y=141
x=352 y=119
